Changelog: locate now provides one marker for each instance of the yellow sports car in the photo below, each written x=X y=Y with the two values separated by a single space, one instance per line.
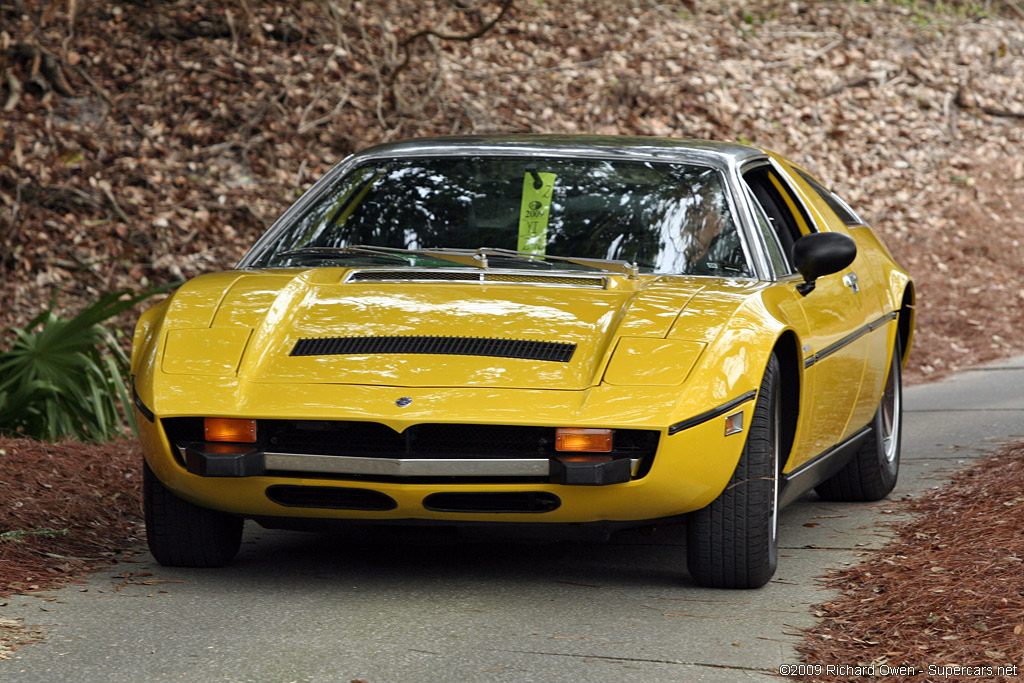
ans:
x=593 y=332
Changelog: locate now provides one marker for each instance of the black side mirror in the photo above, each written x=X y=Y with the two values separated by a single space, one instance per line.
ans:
x=821 y=253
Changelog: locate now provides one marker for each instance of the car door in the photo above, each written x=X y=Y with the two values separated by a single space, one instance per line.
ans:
x=834 y=317
x=830 y=210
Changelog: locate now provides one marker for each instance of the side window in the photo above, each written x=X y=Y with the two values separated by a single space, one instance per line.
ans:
x=784 y=213
x=775 y=254
x=841 y=208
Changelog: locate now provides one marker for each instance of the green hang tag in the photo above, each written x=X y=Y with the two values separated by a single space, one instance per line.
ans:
x=534 y=211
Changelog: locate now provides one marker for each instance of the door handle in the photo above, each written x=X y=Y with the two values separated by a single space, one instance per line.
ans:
x=850 y=280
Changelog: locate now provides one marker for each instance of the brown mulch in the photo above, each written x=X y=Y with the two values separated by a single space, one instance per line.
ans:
x=68 y=508
x=948 y=592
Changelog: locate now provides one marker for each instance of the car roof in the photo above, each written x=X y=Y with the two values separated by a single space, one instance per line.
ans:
x=607 y=146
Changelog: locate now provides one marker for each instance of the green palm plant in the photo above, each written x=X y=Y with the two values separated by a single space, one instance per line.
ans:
x=66 y=377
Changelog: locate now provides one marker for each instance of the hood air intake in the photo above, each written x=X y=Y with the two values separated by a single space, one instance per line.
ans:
x=443 y=346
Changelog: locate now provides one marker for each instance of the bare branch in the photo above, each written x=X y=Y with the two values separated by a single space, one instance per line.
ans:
x=466 y=37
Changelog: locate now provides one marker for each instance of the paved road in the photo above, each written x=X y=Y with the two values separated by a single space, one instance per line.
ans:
x=396 y=607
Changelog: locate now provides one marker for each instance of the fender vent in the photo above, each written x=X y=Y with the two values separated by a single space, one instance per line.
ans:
x=444 y=346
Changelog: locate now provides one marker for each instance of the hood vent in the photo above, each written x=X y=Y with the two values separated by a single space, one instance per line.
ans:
x=480 y=276
x=444 y=346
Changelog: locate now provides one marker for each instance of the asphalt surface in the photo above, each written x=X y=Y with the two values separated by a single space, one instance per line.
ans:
x=427 y=607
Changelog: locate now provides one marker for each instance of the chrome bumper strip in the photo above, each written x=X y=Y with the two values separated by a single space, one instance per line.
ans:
x=310 y=463
x=409 y=467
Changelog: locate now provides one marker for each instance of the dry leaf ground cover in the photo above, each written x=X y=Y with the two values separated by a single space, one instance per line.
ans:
x=67 y=508
x=145 y=142
x=948 y=592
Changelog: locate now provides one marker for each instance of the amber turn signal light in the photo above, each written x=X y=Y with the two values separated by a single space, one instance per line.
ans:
x=590 y=440
x=230 y=429
x=734 y=423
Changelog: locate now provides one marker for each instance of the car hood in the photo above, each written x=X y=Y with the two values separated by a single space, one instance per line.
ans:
x=316 y=327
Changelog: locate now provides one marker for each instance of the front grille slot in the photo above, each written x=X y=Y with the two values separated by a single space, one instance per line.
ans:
x=445 y=346
x=330 y=497
x=372 y=439
x=519 y=453
x=512 y=501
x=514 y=445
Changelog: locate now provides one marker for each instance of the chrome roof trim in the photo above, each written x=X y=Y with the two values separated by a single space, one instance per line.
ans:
x=720 y=154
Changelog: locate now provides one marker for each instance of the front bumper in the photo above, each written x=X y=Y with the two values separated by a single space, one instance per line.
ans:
x=237 y=460
x=688 y=471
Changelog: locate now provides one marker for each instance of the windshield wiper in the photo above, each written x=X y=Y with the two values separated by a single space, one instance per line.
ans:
x=631 y=270
x=476 y=258
x=340 y=252
x=464 y=257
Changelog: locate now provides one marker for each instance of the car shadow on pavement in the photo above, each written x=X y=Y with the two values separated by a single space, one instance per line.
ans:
x=375 y=555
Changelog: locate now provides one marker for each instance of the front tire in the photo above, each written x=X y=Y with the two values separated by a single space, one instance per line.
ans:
x=872 y=473
x=180 y=534
x=733 y=542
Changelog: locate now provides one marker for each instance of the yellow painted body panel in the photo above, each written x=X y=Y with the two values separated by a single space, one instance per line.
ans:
x=858 y=372
x=222 y=351
x=632 y=362
x=261 y=315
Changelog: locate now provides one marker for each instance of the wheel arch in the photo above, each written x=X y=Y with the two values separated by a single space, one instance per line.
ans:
x=905 y=321
x=787 y=350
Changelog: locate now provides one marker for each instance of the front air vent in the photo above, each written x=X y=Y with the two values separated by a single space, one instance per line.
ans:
x=330 y=497
x=479 y=276
x=495 y=502
x=444 y=346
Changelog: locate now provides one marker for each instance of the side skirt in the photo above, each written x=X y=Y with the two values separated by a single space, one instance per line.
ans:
x=810 y=474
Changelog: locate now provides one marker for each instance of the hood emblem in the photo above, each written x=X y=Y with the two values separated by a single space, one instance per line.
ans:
x=403 y=402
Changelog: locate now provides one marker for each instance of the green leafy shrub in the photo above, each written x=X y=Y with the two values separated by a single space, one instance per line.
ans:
x=66 y=377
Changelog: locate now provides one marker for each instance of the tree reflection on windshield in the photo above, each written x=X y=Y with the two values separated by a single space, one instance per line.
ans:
x=668 y=218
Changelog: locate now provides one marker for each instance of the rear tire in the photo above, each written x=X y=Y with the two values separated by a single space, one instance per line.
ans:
x=181 y=534
x=733 y=542
x=872 y=473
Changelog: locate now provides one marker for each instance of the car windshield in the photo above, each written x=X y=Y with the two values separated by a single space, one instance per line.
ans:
x=664 y=217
